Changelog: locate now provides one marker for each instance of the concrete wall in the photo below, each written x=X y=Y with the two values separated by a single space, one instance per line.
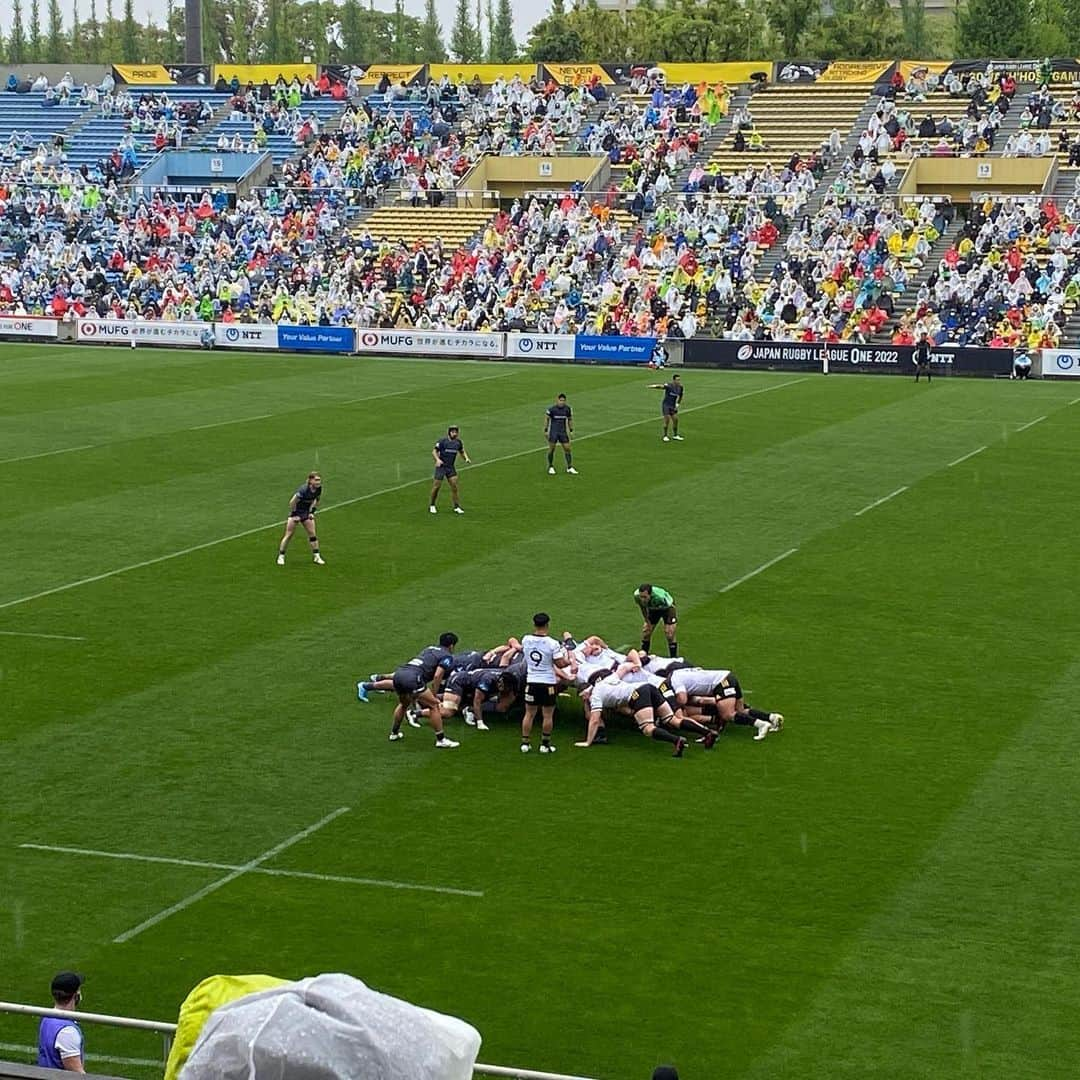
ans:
x=959 y=177
x=512 y=177
x=81 y=73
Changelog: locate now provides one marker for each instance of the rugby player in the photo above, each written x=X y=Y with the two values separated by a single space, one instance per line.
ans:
x=669 y=407
x=643 y=701
x=445 y=453
x=720 y=689
x=558 y=427
x=657 y=604
x=543 y=657
x=302 y=508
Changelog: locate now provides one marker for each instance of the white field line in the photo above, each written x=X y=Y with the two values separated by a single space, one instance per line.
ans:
x=1074 y=400
x=971 y=454
x=754 y=573
x=148 y=1063
x=1031 y=423
x=47 y=453
x=195 y=897
x=883 y=499
x=238 y=420
x=51 y=637
x=200 y=864
x=426 y=479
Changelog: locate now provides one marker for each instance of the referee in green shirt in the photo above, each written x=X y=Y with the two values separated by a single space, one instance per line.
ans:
x=657 y=604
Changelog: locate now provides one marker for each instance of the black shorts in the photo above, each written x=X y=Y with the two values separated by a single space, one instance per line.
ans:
x=728 y=688
x=667 y=614
x=453 y=683
x=301 y=517
x=542 y=694
x=646 y=696
x=559 y=437
x=444 y=472
x=665 y=691
x=669 y=410
x=409 y=679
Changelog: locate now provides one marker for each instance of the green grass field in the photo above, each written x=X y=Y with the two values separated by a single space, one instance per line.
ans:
x=888 y=888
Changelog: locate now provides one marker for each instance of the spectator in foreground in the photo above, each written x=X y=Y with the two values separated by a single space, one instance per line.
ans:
x=60 y=1041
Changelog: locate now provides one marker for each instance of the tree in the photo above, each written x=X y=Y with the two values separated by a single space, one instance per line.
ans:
x=997 y=29
x=400 y=53
x=602 y=33
x=77 y=47
x=356 y=32
x=34 y=44
x=480 y=31
x=552 y=38
x=17 y=41
x=432 y=49
x=856 y=30
x=913 y=27
x=129 y=35
x=109 y=45
x=93 y=35
x=1049 y=36
x=55 y=42
x=463 y=43
x=790 y=19
x=502 y=47
x=242 y=18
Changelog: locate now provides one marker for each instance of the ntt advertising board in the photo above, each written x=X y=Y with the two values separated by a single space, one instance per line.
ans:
x=336 y=339
x=1060 y=363
x=431 y=343
x=540 y=346
x=841 y=357
x=246 y=335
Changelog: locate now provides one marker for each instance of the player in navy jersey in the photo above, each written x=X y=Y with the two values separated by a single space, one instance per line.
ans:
x=302 y=508
x=445 y=453
x=669 y=407
x=558 y=427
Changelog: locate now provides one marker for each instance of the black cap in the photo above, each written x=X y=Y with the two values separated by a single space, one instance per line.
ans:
x=66 y=984
x=665 y=1072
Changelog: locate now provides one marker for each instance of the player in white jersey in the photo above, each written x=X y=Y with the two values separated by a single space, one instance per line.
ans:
x=643 y=701
x=544 y=657
x=719 y=688
x=679 y=719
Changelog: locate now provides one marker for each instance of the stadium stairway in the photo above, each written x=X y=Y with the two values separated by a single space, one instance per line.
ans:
x=206 y=136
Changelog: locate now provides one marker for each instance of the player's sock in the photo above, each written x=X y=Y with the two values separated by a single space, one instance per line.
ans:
x=551 y=458
x=644 y=644
x=569 y=458
x=757 y=714
x=545 y=740
x=690 y=724
x=673 y=648
x=663 y=735
x=744 y=718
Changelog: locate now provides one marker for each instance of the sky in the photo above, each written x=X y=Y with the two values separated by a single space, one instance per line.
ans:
x=526 y=13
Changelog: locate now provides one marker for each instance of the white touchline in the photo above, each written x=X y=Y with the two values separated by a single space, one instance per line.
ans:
x=18 y=1048
x=206 y=890
x=760 y=569
x=965 y=457
x=47 y=453
x=883 y=499
x=364 y=498
x=200 y=864
x=1031 y=423
x=1074 y=400
x=52 y=637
